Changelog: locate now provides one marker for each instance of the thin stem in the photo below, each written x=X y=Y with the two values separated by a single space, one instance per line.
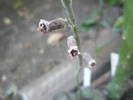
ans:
x=71 y=18
x=69 y=10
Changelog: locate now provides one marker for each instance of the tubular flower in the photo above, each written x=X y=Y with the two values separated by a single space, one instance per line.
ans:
x=72 y=47
x=48 y=26
x=89 y=60
x=43 y=26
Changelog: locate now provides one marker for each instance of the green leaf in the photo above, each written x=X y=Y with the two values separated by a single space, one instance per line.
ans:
x=119 y=22
x=118 y=25
x=87 y=26
x=91 y=20
x=113 y=2
x=105 y=23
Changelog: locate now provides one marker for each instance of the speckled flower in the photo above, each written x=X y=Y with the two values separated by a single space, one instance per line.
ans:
x=72 y=47
x=48 y=26
x=91 y=63
x=43 y=26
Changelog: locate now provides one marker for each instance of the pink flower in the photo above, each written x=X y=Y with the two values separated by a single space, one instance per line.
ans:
x=72 y=47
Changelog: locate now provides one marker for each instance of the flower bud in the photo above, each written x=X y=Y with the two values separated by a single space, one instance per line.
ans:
x=89 y=60
x=48 y=26
x=72 y=47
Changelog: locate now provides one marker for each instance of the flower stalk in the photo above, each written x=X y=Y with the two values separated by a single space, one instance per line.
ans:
x=67 y=4
x=74 y=27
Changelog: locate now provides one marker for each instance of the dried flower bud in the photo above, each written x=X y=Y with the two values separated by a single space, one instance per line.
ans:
x=89 y=60
x=72 y=47
x=47 y=26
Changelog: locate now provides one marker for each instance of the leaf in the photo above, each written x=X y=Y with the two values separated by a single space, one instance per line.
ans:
x=119 y=21
x=113 y=2
x=87 y=26
x=105 y=23
x=91 y=20
x=54 y=38
x=118 y=25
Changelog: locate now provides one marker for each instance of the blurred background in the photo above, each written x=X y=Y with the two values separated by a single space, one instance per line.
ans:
x=26 y=55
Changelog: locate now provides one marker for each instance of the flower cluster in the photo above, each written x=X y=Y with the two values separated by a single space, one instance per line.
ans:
x=73 y=50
